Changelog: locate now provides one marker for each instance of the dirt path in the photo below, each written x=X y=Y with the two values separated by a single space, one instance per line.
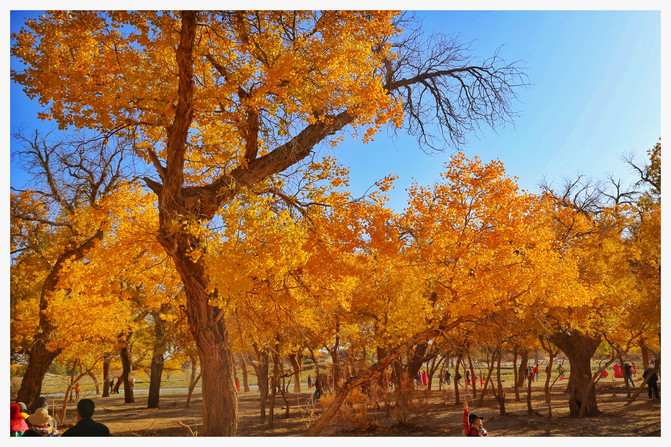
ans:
x=434 y=414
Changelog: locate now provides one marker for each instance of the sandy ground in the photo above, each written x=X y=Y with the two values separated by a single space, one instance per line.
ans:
x=434 y=414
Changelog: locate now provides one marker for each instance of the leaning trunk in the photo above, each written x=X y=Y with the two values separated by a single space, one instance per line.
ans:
x=38 y=365
x=41 y=358
x=193 y=380
x=579 y=348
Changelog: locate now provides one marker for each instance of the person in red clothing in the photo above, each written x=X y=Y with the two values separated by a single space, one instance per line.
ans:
x=473 y=423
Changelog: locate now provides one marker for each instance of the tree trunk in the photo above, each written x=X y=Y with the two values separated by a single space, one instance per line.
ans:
x=488 y=380
x=335 y=358
x=38 y=365
x=106 y=376
x=501 y=397
x=208 y=327
x=126 y=364
x=524 y=362
x=457 y=379
x=296 y=362
x=416 y=360
x=383 y=379
x=403 y=390
x=193 y=380
x=245 y=374
x=579 y=348
x=41 y=358
x=95 y=381
x=275 y=386
x=645 y=356
x=157 y=359
x=473 y=381
x=530 y=409
x=261 y=367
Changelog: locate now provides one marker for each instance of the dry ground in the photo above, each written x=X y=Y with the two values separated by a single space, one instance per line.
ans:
x=435 y=414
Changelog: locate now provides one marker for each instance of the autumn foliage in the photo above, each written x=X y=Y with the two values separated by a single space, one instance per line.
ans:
x=243 y=231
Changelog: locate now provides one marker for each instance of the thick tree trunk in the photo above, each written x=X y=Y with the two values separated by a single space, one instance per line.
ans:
x=416 y=360
x=296 y=362
x=156 y=372
x=126 y=364
x=38 y=365
x=157 y=359
x=208 y=328
x=579 y=348
x=524 y=362
x=106 y=376
x=645 y=356
x=404 y=387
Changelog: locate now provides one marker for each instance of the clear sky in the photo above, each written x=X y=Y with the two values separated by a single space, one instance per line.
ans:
x=594 y=94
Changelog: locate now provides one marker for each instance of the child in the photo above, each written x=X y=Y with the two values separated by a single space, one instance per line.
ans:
x=473 y=423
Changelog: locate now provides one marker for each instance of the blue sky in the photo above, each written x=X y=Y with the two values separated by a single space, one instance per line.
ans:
x=594 y=94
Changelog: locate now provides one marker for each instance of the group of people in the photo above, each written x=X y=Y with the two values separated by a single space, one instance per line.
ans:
x=322 y=384
x=421 y=380
x=532 y=373
x=114 y=387
x=36 y=421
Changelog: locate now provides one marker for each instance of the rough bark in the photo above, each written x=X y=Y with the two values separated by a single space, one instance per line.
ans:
x=579 y=349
